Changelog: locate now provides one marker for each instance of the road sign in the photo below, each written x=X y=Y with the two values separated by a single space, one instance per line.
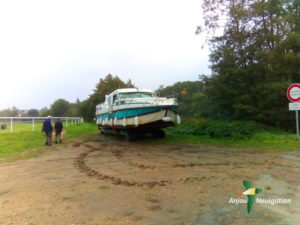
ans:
x=293 y=106
x=293 y=93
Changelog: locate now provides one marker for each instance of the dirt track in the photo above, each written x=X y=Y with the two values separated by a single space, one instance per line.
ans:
x=104 y=180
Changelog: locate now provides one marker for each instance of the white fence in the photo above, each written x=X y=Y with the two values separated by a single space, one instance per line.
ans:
x=33 y=120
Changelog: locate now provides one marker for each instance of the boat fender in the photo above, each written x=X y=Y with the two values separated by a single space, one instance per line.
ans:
x=167 y=119
x=124 y=122
x=178 y=119
x=136 y=121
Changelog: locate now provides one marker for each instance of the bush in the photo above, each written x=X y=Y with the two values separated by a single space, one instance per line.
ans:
x=218 y=129
x=3 y=126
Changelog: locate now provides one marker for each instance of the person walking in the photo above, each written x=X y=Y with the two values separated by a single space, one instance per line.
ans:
x=58 y=126
x=47 y=128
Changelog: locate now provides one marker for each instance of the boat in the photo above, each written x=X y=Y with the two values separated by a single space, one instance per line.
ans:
x=134 y=111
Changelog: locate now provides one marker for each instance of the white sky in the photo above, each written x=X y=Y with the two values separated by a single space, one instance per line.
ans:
x=60 y=48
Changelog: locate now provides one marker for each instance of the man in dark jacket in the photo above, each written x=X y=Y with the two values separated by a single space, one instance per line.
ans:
x=47 y=128
x=58 y=129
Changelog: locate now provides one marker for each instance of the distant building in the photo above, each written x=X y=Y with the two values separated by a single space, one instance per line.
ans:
x=22 y=113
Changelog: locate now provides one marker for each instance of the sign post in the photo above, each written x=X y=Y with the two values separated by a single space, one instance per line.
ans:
x=293 y=94
x=297 y=122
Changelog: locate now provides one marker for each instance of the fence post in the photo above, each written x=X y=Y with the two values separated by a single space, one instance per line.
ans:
x=11 y=125
x=69 y=121
x=33 y=124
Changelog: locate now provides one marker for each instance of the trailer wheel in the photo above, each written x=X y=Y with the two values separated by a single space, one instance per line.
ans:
x=130 y=135
x=102 y=131
x=159 y=134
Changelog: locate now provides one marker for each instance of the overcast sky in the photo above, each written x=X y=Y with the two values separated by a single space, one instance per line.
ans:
x=60 y=49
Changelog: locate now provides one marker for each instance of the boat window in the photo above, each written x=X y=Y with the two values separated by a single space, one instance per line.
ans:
x=136 y=95
x=115 y=97
x=109 y=100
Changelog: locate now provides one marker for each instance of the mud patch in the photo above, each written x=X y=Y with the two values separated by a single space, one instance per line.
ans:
x=81 y=165
x=103 y=180
x=76 y=145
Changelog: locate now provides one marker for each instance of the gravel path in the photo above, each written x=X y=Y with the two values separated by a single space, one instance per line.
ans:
x=104 y=180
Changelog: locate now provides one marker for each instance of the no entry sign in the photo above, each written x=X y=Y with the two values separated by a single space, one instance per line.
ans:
x=293 y=93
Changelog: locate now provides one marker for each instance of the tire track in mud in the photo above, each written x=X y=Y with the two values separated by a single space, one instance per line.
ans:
x=81 y=165
x=119 y=155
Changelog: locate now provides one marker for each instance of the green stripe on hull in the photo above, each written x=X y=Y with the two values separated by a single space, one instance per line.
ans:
x=133 y=112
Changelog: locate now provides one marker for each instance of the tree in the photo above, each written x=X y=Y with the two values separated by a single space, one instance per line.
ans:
x=32 y=112
x=60 y=108
x=74 y=109
x=10 y=112
x=44 y=111
x=255 y=59
x=192 y=100
x=105 y=86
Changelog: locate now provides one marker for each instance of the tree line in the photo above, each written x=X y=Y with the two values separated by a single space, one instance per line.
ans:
x=59 y=107
x=253 y=61
x=64 y=108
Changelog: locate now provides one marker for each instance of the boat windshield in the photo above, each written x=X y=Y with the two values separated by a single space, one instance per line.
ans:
x=136 y=95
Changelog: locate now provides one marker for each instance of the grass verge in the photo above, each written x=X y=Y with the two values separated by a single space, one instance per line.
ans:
x=24 y=138
x=262 y=140
x=234 y=134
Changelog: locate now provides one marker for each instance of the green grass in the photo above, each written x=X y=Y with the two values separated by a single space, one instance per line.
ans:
x=261 y=140
x=24 y=143
x=103 y=187
x=233 y=134
x=23 y=138
x=67 y=198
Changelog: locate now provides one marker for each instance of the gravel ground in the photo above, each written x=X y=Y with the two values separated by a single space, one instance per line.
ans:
x=105 y=180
